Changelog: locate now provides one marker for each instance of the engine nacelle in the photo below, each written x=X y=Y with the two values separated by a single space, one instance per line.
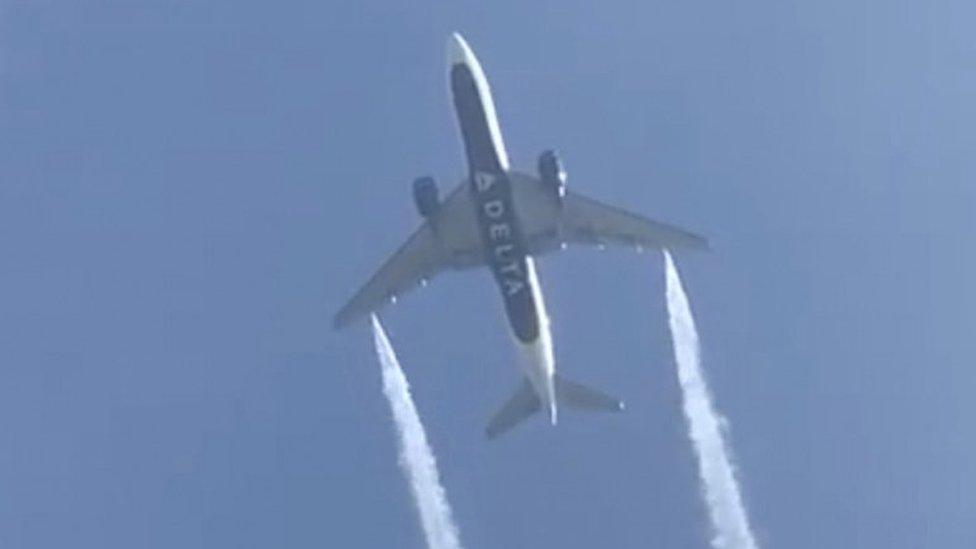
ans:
x=426 y=196
x=552 y=174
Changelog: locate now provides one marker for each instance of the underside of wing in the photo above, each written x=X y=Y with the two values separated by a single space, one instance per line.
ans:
x=417 y=261
x=588 y=221
x=448 y=240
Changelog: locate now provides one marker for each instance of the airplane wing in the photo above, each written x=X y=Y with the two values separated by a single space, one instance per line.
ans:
x=418 y=259
x=454 y=245
x=587 y=221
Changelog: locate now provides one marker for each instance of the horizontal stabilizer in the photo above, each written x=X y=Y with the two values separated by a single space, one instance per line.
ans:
x=523 y=404
x=581 y=397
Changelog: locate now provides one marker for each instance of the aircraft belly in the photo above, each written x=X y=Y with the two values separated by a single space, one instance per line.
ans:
x=481 y=141
x=493 y=192
x=537 y=358
x=475 y=109
x=504 y=250
x=537 y=364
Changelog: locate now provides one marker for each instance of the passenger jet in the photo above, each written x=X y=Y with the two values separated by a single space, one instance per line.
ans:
x=502 y=219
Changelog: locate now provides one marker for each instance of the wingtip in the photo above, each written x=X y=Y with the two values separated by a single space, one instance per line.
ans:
x=695 y=243
x=341 y=320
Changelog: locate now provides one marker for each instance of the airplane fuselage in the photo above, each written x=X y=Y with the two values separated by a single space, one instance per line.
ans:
x=502 y=239
x=504 y=249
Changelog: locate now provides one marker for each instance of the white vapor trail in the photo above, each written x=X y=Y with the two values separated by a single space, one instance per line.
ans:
x=416 y=458
x=720 y=488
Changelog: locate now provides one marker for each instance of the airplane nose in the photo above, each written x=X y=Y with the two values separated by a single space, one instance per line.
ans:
x=458 y=51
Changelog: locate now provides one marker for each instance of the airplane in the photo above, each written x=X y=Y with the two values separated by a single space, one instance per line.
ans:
x=503 y=219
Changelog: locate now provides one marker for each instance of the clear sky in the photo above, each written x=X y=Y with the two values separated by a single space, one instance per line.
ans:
x=190 y=190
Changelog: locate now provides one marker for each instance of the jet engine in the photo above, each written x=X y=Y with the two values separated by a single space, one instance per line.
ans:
x=552 y=174
x=426 y=196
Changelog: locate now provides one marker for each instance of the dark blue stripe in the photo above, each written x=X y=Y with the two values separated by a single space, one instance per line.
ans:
x=478 y=145
x=505 y=253
x=501 y=234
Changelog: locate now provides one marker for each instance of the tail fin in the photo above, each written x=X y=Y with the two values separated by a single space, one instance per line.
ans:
x=525 y=402
x=581 y=397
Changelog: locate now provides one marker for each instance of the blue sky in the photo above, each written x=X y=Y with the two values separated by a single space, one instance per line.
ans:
x=190 y=190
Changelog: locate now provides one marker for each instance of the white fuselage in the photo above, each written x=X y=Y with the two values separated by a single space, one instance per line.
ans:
x=537 y=359
x=499 y=225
